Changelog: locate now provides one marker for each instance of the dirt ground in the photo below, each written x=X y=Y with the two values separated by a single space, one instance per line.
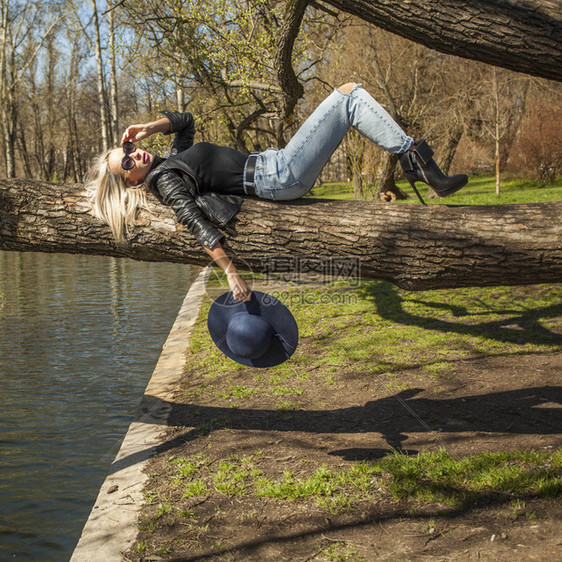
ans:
x=488 y=404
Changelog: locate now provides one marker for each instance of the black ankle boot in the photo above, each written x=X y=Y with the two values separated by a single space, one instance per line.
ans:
x=418 y=165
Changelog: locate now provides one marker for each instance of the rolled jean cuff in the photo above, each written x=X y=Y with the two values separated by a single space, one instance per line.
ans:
x=406 y=145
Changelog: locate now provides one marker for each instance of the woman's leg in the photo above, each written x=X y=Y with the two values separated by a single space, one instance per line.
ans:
x=291 y=172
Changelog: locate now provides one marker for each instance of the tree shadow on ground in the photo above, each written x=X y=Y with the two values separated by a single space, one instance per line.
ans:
x=522 y=411
x=519 y=328
x=513 y=411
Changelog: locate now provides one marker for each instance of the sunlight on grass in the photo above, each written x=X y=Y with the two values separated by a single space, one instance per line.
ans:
x=427 y=477
x=398 y=330
x=478 y=191
x=432 y=477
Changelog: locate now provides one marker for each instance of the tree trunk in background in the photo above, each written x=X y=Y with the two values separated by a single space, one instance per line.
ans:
x=115 y=133
x=497 y=133
x=180 y=100
x=388 y=190
x=53 y=111
x=523 y=35
x=101 y=88
x=9 y=127
x=413 y=246
x=449 y=149
x=7 y=96
x=25 y=153
x=357 y=183
x=71 y=113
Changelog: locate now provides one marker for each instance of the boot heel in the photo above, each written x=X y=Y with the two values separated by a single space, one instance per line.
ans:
x=418 y=165
x=413 y=184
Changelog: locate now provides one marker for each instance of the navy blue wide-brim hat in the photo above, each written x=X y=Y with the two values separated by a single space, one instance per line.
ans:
x=259 y=333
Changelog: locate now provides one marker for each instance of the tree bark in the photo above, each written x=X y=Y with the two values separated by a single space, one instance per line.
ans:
x=521 y=35
x=412 y=246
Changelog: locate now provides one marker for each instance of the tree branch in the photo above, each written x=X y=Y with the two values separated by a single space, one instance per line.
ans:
x=249 y=84
x=292 y=88
x=525 y=36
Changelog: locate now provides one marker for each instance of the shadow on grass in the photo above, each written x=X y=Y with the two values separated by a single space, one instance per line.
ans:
x=519 y=328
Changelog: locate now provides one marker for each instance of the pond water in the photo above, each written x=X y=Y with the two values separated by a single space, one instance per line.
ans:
x=79 y=339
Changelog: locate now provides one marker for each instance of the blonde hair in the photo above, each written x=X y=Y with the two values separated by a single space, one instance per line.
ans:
x=113 y=201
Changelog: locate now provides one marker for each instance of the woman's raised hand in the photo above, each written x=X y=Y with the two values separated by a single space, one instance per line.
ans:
x=137 y=132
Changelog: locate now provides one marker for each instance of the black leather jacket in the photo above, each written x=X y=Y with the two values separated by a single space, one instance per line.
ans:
x=175 y=184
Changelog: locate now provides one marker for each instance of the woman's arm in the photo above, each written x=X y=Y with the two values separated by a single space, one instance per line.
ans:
x=177 y=193
x=239 y=287
x=174 y=193
x=183 y=125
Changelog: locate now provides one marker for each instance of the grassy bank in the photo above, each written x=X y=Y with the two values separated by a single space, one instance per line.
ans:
x=479 y=191
x=396 y=406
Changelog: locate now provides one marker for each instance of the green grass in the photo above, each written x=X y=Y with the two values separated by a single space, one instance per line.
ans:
x=426 y=478
x=332 y=190
x=238 y=391
x=342 y=552
x=195 y=488
x=437 y=477
x=399 y=330
x=479 y=191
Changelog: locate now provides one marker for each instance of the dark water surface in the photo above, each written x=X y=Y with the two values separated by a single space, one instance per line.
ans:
x=79 y=339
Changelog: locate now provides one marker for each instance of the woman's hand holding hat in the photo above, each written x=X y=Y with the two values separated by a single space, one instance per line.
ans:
x=239 y=287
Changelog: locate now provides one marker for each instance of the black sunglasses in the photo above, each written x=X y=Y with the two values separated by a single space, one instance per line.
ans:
x=128 y=163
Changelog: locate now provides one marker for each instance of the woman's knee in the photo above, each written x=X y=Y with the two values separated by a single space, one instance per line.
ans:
x=346 y=88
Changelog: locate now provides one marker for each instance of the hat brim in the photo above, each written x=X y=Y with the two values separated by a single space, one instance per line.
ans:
x=285 y=328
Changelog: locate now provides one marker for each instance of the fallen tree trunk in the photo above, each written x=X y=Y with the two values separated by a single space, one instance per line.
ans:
x=413 y=246
x=521 y=35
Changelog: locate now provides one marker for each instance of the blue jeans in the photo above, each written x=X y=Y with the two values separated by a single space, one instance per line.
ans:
x=290 y=173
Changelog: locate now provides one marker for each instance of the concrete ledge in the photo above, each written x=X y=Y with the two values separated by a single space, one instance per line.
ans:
x=111 y=527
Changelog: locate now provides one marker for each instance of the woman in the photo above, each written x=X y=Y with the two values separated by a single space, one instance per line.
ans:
x=202 y=182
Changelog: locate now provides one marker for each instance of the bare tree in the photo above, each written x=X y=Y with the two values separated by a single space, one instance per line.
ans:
x=113 y=99
x=104 y=118
x=501 y=105
x=75 y=165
